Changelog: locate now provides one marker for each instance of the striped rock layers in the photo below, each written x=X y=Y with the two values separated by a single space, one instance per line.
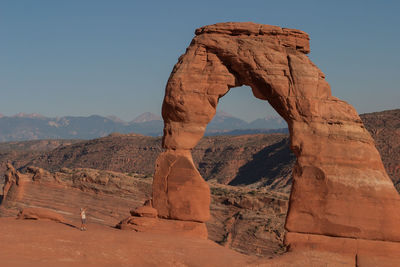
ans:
x=340 y=186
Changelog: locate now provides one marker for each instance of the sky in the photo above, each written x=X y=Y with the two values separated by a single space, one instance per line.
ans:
x=85 y=57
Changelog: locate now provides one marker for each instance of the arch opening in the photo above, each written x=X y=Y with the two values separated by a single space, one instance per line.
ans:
x=252 y=160
x=257 y=169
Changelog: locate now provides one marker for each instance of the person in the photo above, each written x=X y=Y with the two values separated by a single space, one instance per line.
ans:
x=83 y=219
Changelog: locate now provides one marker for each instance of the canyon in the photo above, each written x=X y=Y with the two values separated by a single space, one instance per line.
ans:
x=226 y=159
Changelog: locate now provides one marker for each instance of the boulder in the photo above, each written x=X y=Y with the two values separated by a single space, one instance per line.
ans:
x=40 y=214
x=164 y=226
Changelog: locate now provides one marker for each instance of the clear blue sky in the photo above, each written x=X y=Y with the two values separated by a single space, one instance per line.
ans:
x=83 y=57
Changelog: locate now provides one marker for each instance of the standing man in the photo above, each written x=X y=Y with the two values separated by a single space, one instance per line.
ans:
x=83 y=219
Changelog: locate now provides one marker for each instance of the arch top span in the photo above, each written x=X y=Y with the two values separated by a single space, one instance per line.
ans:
x=340 y=187
x=269 y=59
x=285 y=37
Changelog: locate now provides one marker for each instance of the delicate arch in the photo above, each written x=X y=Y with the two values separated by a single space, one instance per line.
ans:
x=340 y=187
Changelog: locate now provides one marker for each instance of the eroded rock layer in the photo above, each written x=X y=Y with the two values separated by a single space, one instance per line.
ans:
x=249 y=221
x=340 y=187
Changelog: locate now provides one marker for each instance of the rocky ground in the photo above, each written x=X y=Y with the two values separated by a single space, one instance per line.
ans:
x=47 y=243
x=249 y=221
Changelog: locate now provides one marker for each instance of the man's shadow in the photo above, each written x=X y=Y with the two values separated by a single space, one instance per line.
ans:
x=70 y=225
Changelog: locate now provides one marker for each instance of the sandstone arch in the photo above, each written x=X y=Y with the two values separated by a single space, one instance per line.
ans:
x=340 y=187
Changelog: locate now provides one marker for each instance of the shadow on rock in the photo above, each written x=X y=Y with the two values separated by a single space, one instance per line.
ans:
x=268 y=164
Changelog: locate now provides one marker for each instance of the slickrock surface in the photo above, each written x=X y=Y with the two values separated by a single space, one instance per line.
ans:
x=249 y=221
x=107 y=195
x=46 y=243
x=340 y=187
x=41 y=243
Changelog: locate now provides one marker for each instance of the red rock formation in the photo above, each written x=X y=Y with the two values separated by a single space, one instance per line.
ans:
x=340 y=186
x=163 y=226
x=145 y=219
x=11 y=177
x=44 y=243
x=188 y=196
x=108 y=195
x=40 y=214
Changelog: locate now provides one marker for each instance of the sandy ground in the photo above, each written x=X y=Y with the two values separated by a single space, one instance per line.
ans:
x=46 y=243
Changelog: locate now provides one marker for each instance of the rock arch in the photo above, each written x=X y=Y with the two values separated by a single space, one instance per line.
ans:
x=340 y=186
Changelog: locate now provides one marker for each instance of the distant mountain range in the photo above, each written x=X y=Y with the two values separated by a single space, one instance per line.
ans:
x=34 y=126
x=260 y=160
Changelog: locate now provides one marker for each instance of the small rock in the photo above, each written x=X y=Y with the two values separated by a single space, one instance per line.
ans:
x=145 y=211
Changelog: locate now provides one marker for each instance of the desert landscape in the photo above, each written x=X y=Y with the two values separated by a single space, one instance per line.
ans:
x=323 y=194
x=207 y=133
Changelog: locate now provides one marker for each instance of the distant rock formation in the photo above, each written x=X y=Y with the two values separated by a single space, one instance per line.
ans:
x=37 y=127
x=258 y=160
x=340 y=186
x=384 y=127
x=11 y=177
